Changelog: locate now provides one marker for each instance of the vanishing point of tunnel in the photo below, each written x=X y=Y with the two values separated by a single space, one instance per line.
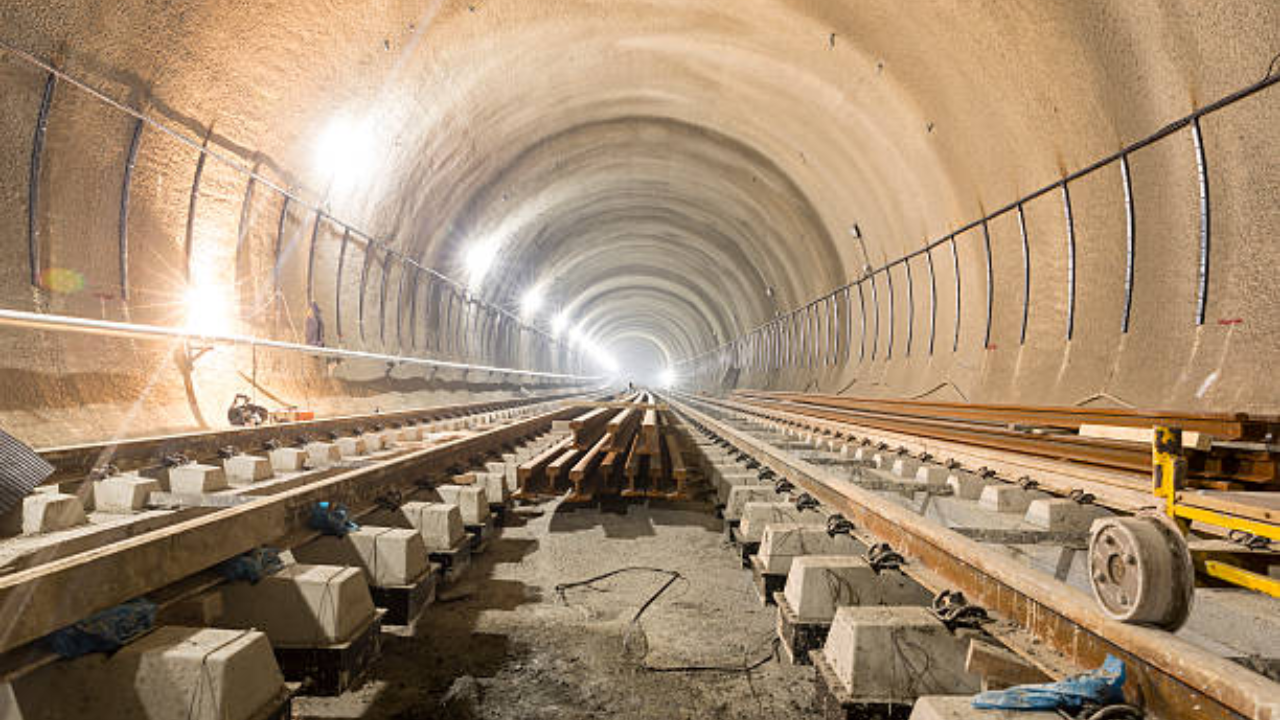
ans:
x=993 y=285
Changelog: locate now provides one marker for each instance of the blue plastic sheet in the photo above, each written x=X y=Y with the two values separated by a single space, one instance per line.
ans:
x=252 y=566
x=1103 y=686
x=105 y=631
x=332 y=519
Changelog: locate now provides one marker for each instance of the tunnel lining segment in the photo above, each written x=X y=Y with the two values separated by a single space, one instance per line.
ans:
x=55 y=76
x=1191 y=121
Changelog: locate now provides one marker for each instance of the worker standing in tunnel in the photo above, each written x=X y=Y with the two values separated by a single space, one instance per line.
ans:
x=315 y=325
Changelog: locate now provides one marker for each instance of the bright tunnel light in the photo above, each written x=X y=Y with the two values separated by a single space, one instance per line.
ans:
x=668 y=378
x=532 y=301
x=559 y=323
x=478 y=260
x=205 y=310
x=345 y=150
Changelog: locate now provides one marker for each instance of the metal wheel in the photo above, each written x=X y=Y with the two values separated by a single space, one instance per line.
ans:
x=1141 y=571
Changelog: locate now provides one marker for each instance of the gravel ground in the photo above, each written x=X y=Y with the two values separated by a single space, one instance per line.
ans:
x=504 y=644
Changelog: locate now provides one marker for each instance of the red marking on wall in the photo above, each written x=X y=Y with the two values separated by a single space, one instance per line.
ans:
x=1231 y=321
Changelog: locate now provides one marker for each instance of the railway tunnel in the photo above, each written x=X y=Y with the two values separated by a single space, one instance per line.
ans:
x=1002 y=239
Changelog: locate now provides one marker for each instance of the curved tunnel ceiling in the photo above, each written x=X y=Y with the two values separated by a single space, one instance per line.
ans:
x=675 y=174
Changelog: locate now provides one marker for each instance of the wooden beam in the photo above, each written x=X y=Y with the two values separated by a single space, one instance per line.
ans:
x=47 y=597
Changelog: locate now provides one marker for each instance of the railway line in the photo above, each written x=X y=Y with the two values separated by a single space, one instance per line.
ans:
x=168 y=544
x=859 y=460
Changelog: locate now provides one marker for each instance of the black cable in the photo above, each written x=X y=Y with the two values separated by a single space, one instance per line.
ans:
x=673 y=576
x=773 y=655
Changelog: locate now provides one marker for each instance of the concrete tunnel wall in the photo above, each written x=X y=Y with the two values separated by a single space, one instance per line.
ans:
x=674 y=174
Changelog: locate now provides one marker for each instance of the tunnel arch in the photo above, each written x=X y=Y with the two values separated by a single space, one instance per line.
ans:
x=722 y=166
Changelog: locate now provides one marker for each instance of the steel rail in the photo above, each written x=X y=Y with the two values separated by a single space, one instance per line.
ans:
x=1167 y=676
x=81 y=460
x=65 y=323
x=1112 y=454
x=46 y=597
x=1226 y=426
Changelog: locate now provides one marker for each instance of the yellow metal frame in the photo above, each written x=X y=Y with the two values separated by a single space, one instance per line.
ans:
x=1168 y=477
x=1243 y=578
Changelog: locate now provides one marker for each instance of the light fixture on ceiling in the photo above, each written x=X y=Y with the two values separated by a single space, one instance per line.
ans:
x=345 y=150
x=559 y=322
x=478 y=261
x=531 y=301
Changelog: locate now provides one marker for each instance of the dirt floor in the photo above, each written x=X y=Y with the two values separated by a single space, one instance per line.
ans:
x=503 y=643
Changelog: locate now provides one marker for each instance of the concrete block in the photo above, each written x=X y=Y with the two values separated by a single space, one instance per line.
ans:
x=933 y=475
x=50 y=512
x=758 y=515
x=1007 y=498
x=388 y=438
x=896 y=654
x=818 y=584
x=782 y=543
x=905 y=466
x=510 y=476
x=726 y=484
x=960 y=707
x=196 y=479
x=471 y=500
x=123 y=493
x=1062 y=514
x=245 y=469
x=560 y=426
x=288 y=459
x=388 y=556
x=301 y=605
x=352 y=446
x=411 y=433
x=323 y=454
x=966 y=485
x=495 y=486
x=739 y=495
x=171 y=672
x=372 y=441
x=440 y=524
x=495 y=466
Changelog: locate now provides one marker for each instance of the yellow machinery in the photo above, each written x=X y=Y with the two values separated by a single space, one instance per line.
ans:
x=1143 y=568
x=1169 y=476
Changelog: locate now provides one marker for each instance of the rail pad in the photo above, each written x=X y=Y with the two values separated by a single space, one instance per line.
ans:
x=404 y=603
x=835 y=704
x=797 y=637
x=333 y=669
x=766 y=585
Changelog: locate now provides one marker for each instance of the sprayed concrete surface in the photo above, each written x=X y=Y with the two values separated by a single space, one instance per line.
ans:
x=504 y=645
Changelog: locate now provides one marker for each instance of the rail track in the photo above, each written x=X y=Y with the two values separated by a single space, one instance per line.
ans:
x=53 y=580
x=1052 y=624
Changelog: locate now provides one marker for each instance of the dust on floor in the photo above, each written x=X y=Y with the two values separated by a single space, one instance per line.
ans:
x=505 y=645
